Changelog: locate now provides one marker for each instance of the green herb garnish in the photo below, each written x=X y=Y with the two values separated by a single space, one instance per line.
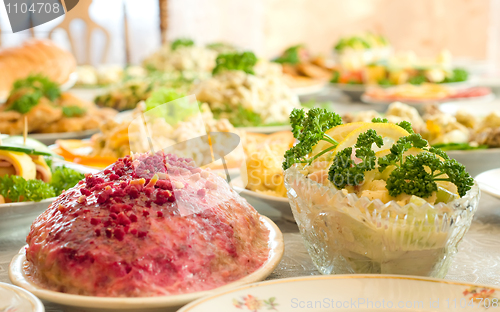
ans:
x=73 y=111
x=181 y=42
x=17 y=189
x=309 y=128
x=235 y=61
x=344 y=171
x=290 y=56
x=33 y=88
x=64 y=178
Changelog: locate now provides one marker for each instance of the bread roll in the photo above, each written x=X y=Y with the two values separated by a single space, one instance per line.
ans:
x=34 y=57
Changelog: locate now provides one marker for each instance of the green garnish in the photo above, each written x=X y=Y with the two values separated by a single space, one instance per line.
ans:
x=459 y=146
x=335 y=76
x=290 y=56
x=34 y=88
x=235 y=61
x=399 y=148
x=17 y=189
x=458 y=75
x=417 y=80
x=181 y=42
x=73 y=111
x=380 y=120
x=309 y=129
x=412 y=178
x=64 y=178
x=344 y=171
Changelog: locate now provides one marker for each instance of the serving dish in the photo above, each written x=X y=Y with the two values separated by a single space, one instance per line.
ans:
x=51 y=138
x=309 y=90
x=479 y=99
x=355 y=91
x=351 y=293
x=16 y=217
x=489 y=182
x=16 y=299
x=477 y=161
x=165 y=303
x=282 y=204
x=265 y=129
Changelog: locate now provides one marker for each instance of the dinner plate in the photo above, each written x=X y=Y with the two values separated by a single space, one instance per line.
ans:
x=256 y=199
x=50 y=138
x=355 y=91
x=477 y=108
x=16 y=217
x=73 y=77
x=477 y=99
x=16 y=299
x=308 y=90
x=265 y=129
x=477 y=161
x=144 y=304
x=352 y=293
x=489 y=182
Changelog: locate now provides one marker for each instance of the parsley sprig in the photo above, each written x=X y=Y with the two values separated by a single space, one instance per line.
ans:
x=309 y=128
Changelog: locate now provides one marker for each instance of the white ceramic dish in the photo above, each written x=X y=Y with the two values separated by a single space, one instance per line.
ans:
x=266 y=130
x=50 y=138
x=73 y=77
x=255 y=199
x=148 y=304
x=351 y=293
x=489 y=182
x=16 y=299
x=478 y=99
x=15 y=217
x=477 y=161
x=355 y=91
x=477 y=108
x=308 y=90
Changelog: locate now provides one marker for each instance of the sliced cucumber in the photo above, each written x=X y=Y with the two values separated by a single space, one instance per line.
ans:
x=36 y=147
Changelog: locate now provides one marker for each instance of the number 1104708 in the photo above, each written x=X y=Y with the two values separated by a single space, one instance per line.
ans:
x=39 y=7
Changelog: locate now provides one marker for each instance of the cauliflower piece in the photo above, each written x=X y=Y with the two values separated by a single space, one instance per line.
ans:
x=466 y=118
x=491 y=121
x=407 y=113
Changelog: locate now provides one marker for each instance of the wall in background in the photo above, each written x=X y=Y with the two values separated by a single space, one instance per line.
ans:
x=468 y=28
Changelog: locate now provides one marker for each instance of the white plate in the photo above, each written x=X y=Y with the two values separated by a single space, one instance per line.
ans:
x=16 y=217
x=50 y=138
x=308 y=90
x=282 y=204
x=73 y=77
x=265 y=130
x=477 y=108
x=163 y=303
x=349 y=293
x=16 y=299
x=355 y=91
x=477 y=99
x=489 y=182
x=477 y=161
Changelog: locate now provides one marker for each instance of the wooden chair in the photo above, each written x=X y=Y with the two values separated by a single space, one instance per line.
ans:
x=81 y=11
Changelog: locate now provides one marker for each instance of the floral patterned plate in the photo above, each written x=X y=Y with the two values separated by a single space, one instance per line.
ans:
x=352 y=293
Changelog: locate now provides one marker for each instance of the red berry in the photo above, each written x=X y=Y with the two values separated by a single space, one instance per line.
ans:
x=95 y=221
x=133 y=218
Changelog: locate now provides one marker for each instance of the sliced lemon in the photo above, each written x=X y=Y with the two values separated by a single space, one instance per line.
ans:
x=338 y=133
x=389 y=132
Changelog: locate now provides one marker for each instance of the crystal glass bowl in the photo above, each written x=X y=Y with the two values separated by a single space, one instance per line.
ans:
x=345 y=234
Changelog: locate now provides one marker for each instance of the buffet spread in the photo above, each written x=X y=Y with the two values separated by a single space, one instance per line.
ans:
x=150 y=193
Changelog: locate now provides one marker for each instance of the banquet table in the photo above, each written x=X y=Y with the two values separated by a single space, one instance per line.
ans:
x=477 y=261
